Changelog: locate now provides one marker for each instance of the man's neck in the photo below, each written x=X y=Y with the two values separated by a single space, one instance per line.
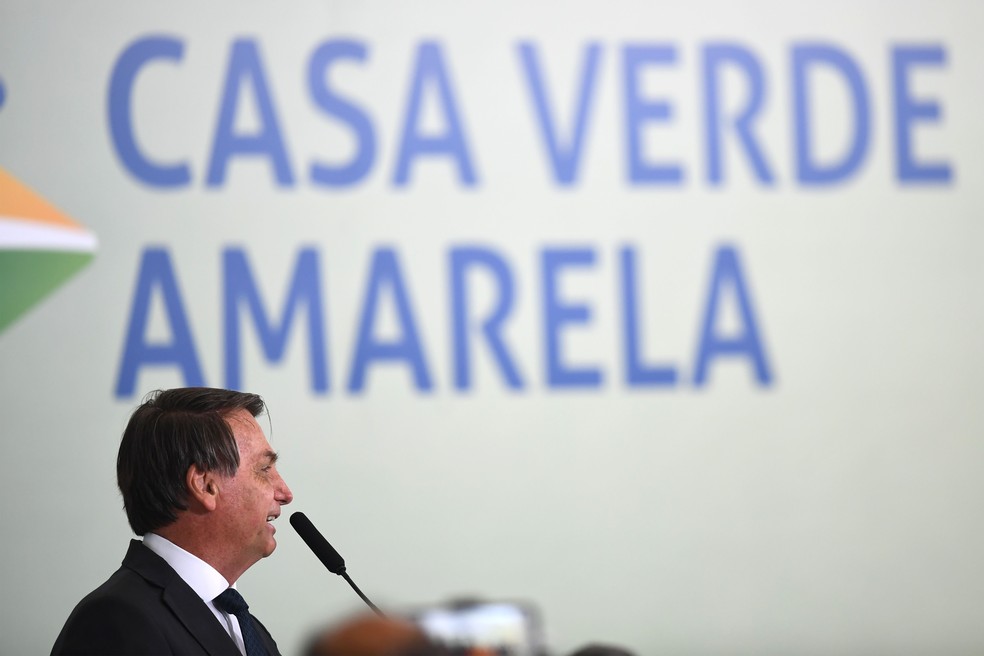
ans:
x=195 y=540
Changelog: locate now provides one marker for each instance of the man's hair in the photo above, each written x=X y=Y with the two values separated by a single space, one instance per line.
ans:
x=168 y=433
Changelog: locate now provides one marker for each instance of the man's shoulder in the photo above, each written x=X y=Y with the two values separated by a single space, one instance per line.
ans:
x=128 y=613
x=117 y=617
x=108 y=620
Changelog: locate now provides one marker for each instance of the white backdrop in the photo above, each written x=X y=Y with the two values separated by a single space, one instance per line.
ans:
x=828 y=505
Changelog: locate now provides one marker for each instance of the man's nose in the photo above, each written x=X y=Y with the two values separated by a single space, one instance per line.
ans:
x=284 y=495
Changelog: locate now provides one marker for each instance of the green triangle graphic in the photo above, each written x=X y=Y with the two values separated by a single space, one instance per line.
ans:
x=28 y=276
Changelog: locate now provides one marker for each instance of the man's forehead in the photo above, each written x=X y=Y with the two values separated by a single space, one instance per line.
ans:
x=248 y=433
x=240 y=416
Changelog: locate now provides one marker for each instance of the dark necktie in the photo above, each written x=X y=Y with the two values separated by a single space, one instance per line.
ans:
x=233 y=603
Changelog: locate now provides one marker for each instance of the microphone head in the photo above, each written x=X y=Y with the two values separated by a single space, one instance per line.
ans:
x=317 y=543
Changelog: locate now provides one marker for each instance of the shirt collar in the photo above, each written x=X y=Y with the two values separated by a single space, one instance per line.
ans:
x=204 y=579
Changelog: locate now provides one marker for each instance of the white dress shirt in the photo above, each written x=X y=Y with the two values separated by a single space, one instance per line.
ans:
x=200 y=577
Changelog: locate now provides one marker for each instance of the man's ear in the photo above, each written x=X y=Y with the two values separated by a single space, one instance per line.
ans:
x=203 y=487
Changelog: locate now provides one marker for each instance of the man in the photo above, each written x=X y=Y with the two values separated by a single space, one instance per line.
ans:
x=200 y=483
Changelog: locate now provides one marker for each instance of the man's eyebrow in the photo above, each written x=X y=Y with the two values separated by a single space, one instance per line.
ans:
x=272 y=456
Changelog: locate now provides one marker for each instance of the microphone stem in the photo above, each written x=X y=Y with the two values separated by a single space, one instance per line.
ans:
x=359 y=592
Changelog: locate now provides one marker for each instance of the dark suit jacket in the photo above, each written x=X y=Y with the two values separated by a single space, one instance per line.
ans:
x=145 y=608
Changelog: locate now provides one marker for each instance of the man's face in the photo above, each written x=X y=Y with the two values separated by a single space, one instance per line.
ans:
x=251 y=499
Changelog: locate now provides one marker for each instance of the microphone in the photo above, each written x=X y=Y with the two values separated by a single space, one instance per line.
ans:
x=326 y=553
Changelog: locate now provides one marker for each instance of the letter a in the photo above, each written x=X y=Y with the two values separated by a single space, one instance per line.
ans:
x=156 y=273
x=747 y=341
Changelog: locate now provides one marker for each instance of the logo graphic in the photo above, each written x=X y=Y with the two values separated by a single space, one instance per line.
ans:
x=40 y=248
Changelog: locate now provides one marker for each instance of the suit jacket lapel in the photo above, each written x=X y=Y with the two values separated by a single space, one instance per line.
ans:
x=178 y=596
